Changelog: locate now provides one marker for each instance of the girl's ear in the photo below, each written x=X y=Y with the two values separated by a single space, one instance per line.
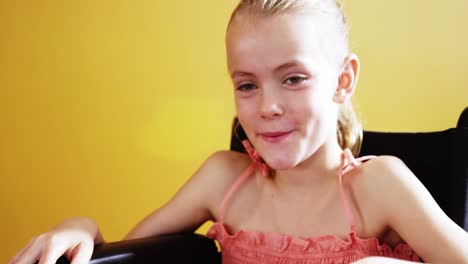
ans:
x=347 y=79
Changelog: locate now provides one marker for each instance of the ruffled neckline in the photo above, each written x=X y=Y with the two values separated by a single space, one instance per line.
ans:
x=310 y=245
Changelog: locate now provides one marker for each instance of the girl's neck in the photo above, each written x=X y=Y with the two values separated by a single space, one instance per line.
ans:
x=319 y=171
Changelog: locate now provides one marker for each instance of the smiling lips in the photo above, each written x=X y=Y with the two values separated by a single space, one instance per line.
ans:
x=275 y=137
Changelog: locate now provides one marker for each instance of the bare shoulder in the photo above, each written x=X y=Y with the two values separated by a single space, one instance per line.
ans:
x=377 y=175
x=375 y=186
x=197 y=200
x=382 y=181
x=219 y=172
x=398 y=199
x=223 y=166
x=391 y=185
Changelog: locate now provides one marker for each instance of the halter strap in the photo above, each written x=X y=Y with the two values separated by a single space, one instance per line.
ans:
x=350 y=164
x=256 y=163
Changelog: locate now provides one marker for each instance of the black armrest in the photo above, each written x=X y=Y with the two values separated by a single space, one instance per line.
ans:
x=176 y=248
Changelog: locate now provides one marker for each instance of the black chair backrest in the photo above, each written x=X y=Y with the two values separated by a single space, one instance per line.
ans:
x=174 y=248
x=439 y=160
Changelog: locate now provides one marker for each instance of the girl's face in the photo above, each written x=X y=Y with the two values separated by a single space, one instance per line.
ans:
x=285 y=85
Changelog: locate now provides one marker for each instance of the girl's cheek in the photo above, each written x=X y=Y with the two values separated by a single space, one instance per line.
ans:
x=244 y=114
x=246 y=107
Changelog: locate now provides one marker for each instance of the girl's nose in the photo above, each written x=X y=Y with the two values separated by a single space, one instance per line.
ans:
x=271 y=106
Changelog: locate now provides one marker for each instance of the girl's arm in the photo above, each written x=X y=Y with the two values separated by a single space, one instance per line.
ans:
x=189 y=208
x=415 y=216
x=192 y=205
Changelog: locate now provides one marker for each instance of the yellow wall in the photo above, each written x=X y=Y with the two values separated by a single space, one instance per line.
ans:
x=107 y=107
x=414 y=75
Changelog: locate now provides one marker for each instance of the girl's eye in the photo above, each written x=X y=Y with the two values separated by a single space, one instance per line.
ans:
x=295 y=80
x=246 y=87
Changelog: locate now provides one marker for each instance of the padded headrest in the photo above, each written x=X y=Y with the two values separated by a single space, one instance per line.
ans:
x=463 y=120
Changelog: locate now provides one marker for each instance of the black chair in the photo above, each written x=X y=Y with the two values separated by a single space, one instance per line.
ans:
x=175 y=248
x=439 y=159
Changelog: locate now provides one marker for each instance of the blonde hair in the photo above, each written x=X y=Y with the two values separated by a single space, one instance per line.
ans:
x=349 y=130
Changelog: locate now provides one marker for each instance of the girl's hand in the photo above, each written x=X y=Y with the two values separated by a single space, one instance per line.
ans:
x=73 y=238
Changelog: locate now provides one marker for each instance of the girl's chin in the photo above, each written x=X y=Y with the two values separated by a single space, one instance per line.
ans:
x=280 y=158
x=280 y=164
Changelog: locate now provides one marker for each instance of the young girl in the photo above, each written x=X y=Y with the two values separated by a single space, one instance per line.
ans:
x=299 y=196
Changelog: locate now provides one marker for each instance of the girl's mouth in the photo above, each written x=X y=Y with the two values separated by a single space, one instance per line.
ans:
x=275 y=137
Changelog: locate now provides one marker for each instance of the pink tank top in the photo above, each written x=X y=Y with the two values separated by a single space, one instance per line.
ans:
x=257 y=247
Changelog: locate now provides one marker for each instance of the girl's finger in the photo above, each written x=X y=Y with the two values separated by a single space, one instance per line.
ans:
x=21 y=252
x=53 y=252
x=30 y=253
x=83 y=254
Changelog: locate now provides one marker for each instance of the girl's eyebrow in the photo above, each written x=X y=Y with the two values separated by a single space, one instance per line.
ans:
x=240 y=74
x=279 y=68
x=287 y=65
